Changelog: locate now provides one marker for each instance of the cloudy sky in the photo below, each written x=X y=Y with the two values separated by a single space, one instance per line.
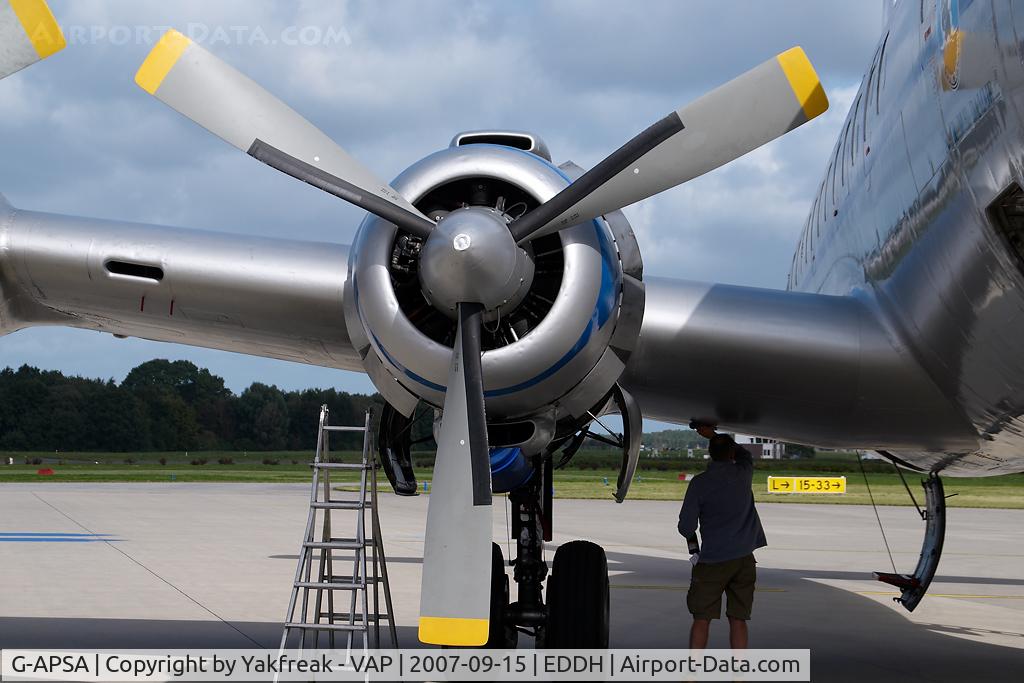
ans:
x=392 y=81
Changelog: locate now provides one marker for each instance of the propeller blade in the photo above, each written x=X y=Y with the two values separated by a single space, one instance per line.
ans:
x=455 y=592
x=236 y=109
x=766 y=102
x=28 y=34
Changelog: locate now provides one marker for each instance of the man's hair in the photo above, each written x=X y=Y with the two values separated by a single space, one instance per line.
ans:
x=720 y=447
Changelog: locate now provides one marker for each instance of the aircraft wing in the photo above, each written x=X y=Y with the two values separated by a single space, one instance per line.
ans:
x=802 y=367
x=266 y=297
x=808 y=368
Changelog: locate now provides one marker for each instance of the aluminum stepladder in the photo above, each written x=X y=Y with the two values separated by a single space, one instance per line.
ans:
x=315 y=579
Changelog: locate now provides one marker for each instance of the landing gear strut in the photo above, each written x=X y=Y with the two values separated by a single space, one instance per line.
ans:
x=503 y=634
x=531 y=508
x=914 y=586
x=577 y=613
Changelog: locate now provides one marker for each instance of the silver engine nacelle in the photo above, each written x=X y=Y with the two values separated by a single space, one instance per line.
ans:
x=553 y=353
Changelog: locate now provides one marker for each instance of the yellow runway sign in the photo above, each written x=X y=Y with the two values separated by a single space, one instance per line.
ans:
x=806 y=484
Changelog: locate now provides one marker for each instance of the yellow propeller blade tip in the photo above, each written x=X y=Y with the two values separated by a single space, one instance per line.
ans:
x=40 y=26
x=454 y=631
x=804 y=81
x=160 y=60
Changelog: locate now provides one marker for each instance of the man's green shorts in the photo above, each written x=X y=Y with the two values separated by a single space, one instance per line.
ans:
x=735 y=578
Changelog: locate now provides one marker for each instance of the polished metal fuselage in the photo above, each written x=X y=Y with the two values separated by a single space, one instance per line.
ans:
x=911 y=228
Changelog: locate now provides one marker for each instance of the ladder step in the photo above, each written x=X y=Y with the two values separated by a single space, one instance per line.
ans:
x=343 y=544
x=339 y=428
x=332 y=585
x=339 y=466
x=340 y=505
x=326 y=627
x=357 y=618
x=338 y=578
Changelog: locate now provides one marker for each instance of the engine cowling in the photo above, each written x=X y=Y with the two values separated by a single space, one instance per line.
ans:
x=553 y=348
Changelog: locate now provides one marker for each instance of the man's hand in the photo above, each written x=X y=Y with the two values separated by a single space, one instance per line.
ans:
x=693 y=547
x=703 y=428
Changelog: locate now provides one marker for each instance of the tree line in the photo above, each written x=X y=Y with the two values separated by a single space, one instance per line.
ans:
x=164 y=405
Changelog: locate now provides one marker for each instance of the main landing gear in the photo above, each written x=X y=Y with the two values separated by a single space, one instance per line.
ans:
x=578 y=597
x=576 y=614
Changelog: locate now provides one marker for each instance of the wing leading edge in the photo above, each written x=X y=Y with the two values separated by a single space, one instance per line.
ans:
x=260 y=296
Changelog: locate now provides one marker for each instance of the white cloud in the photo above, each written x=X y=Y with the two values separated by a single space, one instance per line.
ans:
x=740 y=223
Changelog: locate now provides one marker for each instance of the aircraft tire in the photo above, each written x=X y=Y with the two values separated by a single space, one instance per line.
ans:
x=502 y=634
x=577 y=597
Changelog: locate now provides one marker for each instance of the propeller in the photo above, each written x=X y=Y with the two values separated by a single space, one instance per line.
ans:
x=766 y=102
x=471 y=261
x=28 y=34
x=236 y=109
x=456 y=585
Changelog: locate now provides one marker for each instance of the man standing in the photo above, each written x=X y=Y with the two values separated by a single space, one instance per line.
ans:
x=721 y=502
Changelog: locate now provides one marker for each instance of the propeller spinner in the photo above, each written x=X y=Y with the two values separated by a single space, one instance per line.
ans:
x=471 y=256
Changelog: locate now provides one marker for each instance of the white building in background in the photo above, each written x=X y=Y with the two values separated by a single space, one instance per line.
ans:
x=761 y=447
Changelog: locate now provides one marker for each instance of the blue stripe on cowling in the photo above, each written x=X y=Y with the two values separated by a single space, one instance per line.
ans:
x=602 y=312
x=408 y=373
x=603 y=308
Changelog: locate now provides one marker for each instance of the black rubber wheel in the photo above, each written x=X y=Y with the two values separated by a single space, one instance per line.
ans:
x=502 y=635
x=578 y=605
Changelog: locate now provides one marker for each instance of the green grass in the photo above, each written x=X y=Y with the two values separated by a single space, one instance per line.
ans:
x=987 y=492
x=292 y=466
